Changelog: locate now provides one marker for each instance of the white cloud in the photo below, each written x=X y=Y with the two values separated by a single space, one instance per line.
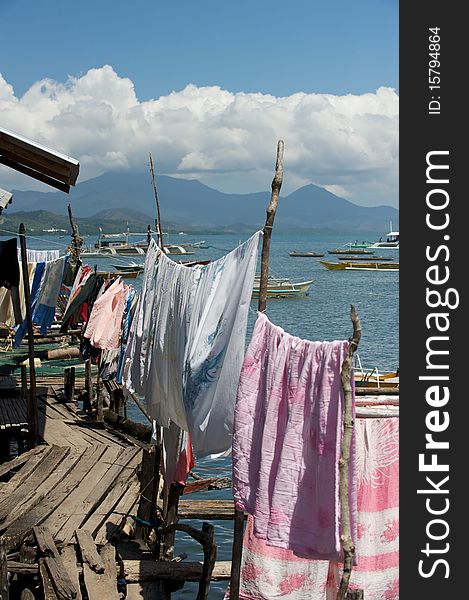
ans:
x=347 y=144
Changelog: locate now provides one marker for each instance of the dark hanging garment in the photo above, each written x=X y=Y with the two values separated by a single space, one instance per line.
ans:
x=9 y=267
x=10 y=274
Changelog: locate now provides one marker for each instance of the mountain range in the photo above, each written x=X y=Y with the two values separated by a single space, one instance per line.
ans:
x=189 y=204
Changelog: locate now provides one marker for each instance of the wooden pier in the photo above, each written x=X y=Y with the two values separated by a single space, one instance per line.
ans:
x=81 y=485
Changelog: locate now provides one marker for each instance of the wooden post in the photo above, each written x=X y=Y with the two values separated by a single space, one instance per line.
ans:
x=24 y=382
x=210 y=556
x=158 y=216
x=32 y=413
x=171 y=517
x=66 y=381
x=88 y=387
x=4 y=584
x=71 y=385
x=236 y=554
x=99 y=401
x=238 y=531
x=144 y=510
x=344 y=462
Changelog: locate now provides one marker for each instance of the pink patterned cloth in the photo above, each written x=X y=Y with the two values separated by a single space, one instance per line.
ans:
x=268 y=573
x=287 y=441
x=377 y=572
x=104 y=326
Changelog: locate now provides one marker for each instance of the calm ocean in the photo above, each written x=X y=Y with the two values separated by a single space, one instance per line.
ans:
x=322 y=315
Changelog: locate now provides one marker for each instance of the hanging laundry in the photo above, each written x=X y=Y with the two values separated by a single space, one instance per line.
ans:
x=268 y=573
x=129 y=309
x=44 y=310
x=377 y=542
x=177 y=457
x=38 y=270
x=79 y=303
x=186 y=344
x=10 y=274
x=38 y=256
x=104 y=327
x=287 y=441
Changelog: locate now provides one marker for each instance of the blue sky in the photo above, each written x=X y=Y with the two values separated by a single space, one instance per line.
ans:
x=264 y=48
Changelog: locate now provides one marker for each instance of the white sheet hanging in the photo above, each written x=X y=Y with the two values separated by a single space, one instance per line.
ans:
x=187 y=342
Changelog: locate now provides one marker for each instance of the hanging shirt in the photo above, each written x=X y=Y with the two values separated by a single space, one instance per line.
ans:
x=44 y=310
x=38 y=270
x=287 y=441
x=104 y=327
x=10 y=274
x=186 y=344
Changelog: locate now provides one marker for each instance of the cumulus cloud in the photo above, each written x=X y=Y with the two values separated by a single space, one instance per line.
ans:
x=346 y=144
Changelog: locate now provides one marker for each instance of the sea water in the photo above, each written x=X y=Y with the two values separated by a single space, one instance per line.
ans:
x=324 y=314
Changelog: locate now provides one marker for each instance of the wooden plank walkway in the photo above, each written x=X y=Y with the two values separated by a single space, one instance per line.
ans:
x=84 y=477
x=81 y=474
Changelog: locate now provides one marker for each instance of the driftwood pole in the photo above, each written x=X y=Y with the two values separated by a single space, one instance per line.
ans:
x=238 y=530
x=158 y=216
x=271 y=211
x=77 y=241
x=32 y=413
x=344 y=462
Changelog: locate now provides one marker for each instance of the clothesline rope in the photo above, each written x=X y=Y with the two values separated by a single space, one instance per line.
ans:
x=35 y=237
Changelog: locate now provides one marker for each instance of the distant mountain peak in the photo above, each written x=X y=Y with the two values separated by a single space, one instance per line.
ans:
x=188 y=202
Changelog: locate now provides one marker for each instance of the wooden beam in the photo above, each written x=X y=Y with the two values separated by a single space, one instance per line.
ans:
x=148 y=570
x=33 y=420
x=88 y=550
x=24 y=147
x=35 y=174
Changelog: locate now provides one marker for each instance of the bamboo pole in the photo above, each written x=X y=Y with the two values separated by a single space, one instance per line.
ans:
x=348 y=546
x=32 y=413
x=158 y=216
x=238 y=530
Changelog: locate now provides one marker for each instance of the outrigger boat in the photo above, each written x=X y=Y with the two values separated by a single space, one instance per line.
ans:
x=353 y=258
x=306 y=254
x=282 y=288
x=112 y=244
x=364 y=266
x=365 y=377
x=350 y=251
x=391 y=241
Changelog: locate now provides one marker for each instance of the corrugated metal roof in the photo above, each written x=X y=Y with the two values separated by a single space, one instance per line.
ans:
x=38 y=161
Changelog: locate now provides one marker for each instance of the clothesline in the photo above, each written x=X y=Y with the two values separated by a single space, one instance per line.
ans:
x=32 y=237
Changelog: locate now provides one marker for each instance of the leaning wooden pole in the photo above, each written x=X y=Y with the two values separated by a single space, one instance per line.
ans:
x=269 y=223
x=158 y=215
x=348 y=546
x=33 y=422
x=238 y=531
